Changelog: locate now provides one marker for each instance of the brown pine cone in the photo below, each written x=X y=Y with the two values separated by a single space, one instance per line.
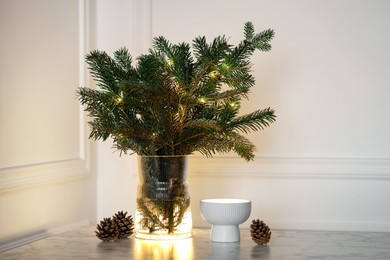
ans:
x=260 y=232
x=125 y=224
x=107 y=230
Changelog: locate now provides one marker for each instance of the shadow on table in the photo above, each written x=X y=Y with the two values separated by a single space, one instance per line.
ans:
x=259 y=251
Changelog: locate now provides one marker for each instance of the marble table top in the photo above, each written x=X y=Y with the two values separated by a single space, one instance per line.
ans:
x=82 y=244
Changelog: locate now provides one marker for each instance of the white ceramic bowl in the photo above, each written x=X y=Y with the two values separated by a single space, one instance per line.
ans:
x=225 y=215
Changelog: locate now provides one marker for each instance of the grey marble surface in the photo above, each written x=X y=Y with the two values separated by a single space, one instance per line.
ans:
x=82 y=244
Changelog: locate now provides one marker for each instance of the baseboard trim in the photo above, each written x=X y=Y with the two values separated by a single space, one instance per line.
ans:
x=41 y=235
x=279 y=167
x=317 y=226
x=330 y=226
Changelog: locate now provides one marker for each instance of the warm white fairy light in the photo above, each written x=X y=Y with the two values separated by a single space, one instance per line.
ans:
x=202 y=100
x=214 y=74
x=119 y=99
x=233 y=104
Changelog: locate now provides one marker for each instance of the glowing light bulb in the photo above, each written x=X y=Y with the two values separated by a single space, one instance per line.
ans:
x=233 y=104
x=202 y=100
x=119 y=100
x=214 y=74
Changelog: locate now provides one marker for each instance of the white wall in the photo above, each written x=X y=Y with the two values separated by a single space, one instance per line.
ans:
x=46 y=185
x=325 y=163
x=115 y=26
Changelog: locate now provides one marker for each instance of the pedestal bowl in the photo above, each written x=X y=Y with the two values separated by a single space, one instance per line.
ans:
x=225 y=215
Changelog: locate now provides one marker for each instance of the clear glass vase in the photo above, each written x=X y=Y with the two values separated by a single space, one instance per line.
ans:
x=163 y=201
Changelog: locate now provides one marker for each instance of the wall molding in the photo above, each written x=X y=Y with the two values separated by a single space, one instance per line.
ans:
x=285 y=167
x=23 y=177
x=27 y=176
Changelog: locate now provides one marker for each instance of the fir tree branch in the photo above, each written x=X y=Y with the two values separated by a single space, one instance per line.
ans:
x=249 y=31
x=174 y=100
x=254 y=121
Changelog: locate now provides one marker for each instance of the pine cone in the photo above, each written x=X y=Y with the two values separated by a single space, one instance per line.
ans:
x=125 y=224
x=260 y=232
x=107 y=230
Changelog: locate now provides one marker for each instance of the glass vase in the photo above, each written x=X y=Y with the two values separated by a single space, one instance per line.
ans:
x=163 y=202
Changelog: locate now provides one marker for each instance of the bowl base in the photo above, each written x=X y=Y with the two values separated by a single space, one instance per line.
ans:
x=225 y=233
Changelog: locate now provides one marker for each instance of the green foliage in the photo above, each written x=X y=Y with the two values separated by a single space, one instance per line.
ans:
x=178 y=98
